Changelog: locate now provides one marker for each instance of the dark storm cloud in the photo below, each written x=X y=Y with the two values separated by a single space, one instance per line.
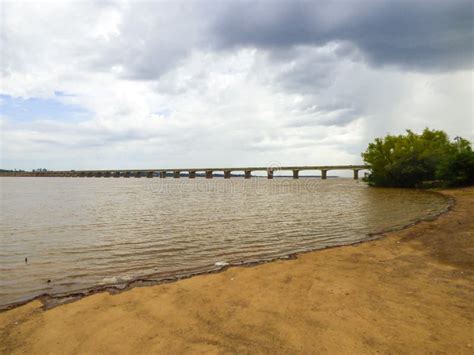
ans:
x=420 y=35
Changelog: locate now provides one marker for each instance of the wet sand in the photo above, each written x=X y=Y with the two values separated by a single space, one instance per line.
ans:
x=412 y=291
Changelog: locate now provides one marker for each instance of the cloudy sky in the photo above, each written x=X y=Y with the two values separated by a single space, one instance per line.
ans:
x=128 y=84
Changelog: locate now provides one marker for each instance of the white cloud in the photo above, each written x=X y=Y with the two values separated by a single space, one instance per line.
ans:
x=159 y=94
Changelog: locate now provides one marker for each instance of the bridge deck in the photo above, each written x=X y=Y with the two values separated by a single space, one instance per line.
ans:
x=274 y=168
x=191 y=171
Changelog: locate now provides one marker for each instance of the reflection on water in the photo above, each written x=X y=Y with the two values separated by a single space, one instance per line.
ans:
x=79 y=233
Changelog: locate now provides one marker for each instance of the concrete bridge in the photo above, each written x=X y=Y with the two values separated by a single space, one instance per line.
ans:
x=191 y=173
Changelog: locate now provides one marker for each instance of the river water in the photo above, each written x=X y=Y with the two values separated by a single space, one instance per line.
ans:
x=79 y=233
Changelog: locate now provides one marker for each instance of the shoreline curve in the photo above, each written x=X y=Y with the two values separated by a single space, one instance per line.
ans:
x=409 y=292
x=49 y=301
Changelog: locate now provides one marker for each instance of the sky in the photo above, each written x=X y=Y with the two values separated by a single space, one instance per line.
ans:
x=156 y=84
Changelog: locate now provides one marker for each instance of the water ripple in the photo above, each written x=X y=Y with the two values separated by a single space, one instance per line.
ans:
x=79 y=233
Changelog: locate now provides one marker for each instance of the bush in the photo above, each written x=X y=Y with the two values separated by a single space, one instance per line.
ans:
x=459 y=170
x=411 y=159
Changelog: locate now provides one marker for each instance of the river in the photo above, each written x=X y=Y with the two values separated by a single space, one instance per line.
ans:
x=80 y=233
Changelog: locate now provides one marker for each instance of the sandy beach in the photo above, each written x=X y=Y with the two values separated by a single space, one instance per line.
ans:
x=411 y=291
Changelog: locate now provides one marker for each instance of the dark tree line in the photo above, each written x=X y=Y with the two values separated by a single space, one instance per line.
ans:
x=413 y=160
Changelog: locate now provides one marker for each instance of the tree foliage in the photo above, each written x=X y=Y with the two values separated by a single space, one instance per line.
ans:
x=411 y=159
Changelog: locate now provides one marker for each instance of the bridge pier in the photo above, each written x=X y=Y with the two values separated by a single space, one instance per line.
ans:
x=356 y=174
x=324 y=174
x=208 y=174
x=162 y=174
x=192 y=174
x=226 y=174
x=269 y=174
x=295 y=174
x=176 y=174
x=248 y=174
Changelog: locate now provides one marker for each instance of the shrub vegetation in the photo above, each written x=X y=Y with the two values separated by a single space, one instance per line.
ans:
x=412 y=160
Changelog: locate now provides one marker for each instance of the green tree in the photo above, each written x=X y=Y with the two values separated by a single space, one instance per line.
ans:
x=410 y=159
x=458 y=169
